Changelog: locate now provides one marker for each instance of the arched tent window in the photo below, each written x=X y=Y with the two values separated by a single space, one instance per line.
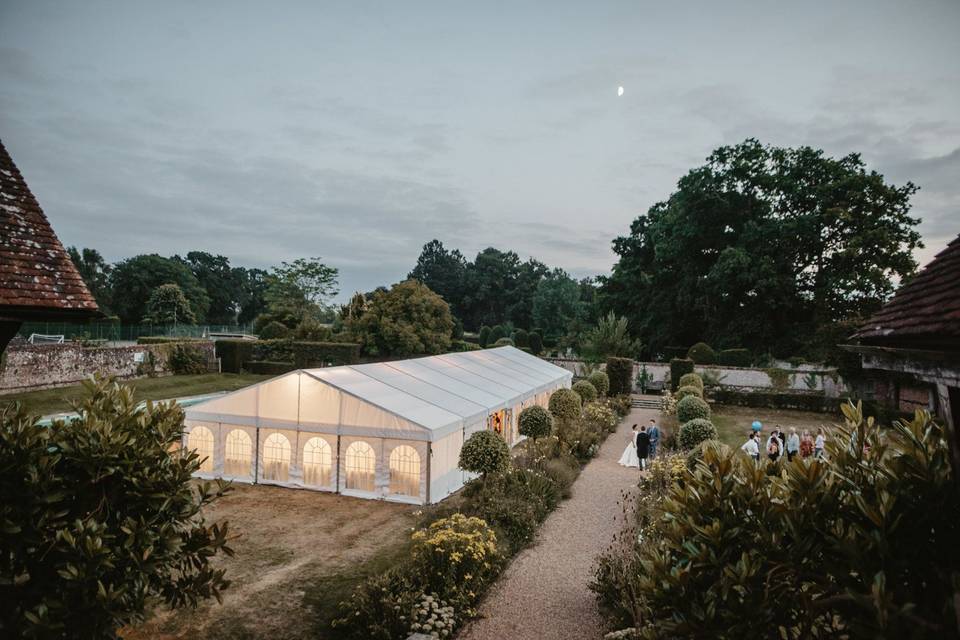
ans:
x=238 y=455
x=405 y=471
x=201 y=441
x=361 y=466
x=317 y=462
x=276 y=458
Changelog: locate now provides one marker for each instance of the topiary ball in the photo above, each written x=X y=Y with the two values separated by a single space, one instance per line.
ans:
x=695 y=431
x=702 y=353
x=484 y=452
x=565 y=404
x=503 y=342
x=683 y=392
x=692 y=408
x=586 y=391
x=535 y=422
x=274 y=330
x=601 y=381
x=691 y=380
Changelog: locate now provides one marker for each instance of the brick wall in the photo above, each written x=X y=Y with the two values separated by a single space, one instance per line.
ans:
x=28 y=367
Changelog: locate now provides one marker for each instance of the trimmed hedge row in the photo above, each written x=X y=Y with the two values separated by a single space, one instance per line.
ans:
x=735 y=357
x=774 y=400
x=679 y=367
x=306 y=354
x=620 y=374
x=265 y=367
x=233 y=354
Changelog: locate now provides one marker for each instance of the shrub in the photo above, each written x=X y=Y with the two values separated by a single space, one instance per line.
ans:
x=691 y=408
x=186 y=359
x=483 y=338
x=565 y=404
x=463 y=345
x=497 y=332
x=679 y=367
x=274 y=330
x=379 y=607
x=433 y=617
x=702 y=353
x=306 y=354
x=884 y=553
x=99 y=516
x=620 y=375
x=267 y=368
x=586 y=391
x=600 y=417
x=621 y=405
x=562 y=473
x=535 y=422
x=691 y=380
x=735 y=357
x=233 y=354
x=536 y=343
x=777 y=400
x=456 y=558
x=695 y=431
x=521 y=338
x=484 y=452
x=683 y=392
x=503 y=342
x=311 y=330
x=674 y=352
x=601 y=381
x=780 y=379
x=668 y=404
x=577 y=440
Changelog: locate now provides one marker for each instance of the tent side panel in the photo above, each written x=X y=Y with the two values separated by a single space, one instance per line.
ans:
x=446 y=476
x=279 y=398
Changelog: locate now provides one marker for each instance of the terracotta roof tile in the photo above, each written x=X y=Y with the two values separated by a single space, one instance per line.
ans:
x=926 y=307
x=35 y=270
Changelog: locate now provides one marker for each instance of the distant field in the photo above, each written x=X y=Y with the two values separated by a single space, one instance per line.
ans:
x=58 y=400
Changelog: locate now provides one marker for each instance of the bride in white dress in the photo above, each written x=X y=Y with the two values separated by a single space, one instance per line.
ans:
x=630 y=457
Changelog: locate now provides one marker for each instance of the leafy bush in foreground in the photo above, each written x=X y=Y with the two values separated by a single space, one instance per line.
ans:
x=98 y=516
x=871 y=538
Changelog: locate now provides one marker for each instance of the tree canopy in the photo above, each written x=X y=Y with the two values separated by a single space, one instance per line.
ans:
x=168 y=305
x=409 y=319
x=133 y=281
x=761 y=247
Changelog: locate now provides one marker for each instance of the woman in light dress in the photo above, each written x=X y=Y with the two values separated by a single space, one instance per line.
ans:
x=630 y=457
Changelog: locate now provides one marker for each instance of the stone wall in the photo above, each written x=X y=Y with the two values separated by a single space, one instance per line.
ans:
x=29 y=367
x=806 y=379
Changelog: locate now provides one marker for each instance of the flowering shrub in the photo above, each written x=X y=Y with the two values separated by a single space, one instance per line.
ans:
x=379 y=608
x=456 y=557
x=619 y=404
x=600 y=417
x=664 y=470
x=668 y=404
x=433 y=617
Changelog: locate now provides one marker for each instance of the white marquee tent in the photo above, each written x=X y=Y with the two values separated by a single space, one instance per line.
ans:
x=389 y=430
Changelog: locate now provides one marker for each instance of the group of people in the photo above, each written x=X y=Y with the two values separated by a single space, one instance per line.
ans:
x=642 y=446
x=779 y=443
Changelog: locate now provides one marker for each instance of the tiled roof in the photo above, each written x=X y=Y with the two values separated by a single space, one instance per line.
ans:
x=927 y=308
x=36 y=275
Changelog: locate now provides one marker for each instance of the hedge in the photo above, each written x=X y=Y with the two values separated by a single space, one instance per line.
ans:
x=620 y=373
x=702 y=353
x=233 y=354
x=269 y=368
x=306 y=354
x=163 y=339
x=679 y=367
x=735 y=357
x=774 y=400
x=669 y=353
x=691 y=380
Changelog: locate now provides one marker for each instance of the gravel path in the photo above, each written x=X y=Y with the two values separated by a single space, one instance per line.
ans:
x=543 y=594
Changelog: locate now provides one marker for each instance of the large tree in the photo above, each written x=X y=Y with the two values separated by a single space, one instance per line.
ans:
x=168 y=305
x=95 y=273
x=300 y=289
x=556 y=302
x=443 y=272
x=407 y=320
x=132 y=281
x=761 y=247
x=220 y=281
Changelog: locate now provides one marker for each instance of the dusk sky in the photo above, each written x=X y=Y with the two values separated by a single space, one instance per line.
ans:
x=358 y=131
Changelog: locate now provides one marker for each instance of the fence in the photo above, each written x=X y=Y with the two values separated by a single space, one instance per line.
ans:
x=115 y=332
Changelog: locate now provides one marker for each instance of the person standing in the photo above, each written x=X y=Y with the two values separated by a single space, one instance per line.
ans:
x=629 y=457
x=806 y=444
x=654 y=432
x=643 y=447
x=819 y=444
x=751 y=447
x=793 y=444
x=774 y=446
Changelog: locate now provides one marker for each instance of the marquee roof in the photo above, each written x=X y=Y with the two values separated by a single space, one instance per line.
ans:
x=433 y=395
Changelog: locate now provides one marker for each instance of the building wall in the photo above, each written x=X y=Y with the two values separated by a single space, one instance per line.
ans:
x=28 y=367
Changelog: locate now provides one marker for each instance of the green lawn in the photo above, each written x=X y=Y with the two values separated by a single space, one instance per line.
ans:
x=48 y=401
x=733 y=423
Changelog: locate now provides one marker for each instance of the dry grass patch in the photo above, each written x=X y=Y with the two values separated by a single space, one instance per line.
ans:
x=298 y=553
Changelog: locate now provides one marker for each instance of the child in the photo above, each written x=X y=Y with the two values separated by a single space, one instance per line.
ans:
x=818 y=445
x=806 y=444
